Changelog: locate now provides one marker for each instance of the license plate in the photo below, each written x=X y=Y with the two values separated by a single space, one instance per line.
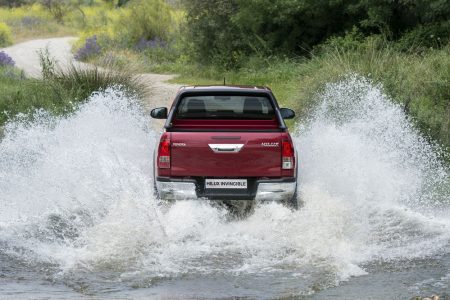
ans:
x=226 y=183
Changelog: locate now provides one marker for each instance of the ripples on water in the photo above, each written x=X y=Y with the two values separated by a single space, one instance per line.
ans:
x=77 y=207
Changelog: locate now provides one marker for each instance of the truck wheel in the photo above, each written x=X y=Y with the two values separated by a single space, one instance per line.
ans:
x=293 y=202
x=242 y=210
x=155 y=190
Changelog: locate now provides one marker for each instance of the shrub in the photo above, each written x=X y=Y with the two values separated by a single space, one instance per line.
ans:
x=424 y=37
x=6 y=60
x=90 y=49
x=59 y=8
x=144 y=19
x=79 y=82
x=144 y=44
x=12 y=3
x=60 y=92
x=5 y=35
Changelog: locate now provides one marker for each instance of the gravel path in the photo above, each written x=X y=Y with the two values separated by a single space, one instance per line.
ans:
x=26 y=57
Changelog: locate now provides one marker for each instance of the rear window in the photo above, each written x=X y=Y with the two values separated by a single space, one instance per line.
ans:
x=225 y=107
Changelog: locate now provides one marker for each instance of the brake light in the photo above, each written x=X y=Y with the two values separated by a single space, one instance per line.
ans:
x=287 y=155
x=164 y=153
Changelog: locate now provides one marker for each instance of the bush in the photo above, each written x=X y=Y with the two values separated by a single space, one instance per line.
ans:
x=425 y=37
x=6 y=60
x=79 y=82
x=12 y=3
x=90 y=49
x=5 y=35
x=60 y=91
x=20 y=95
x=226 y=32
x=352 y=40
x=144 y=19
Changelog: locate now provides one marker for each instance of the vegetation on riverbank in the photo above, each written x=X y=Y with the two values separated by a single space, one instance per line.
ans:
x=61 y=90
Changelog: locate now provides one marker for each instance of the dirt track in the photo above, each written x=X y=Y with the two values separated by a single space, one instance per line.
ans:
x=26 y=57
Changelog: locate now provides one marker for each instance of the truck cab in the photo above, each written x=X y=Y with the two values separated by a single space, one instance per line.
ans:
x=225 y=143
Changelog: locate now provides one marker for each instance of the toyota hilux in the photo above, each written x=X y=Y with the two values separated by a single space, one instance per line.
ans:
x=227 y=143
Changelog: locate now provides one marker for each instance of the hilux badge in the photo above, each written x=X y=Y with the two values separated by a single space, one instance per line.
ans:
x=270 y=144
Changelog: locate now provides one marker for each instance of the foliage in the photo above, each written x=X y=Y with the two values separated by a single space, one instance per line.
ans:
x=14 y=16
x=224 y=32
x=32 y=21
x=6 y=60
x=425 y=37
x=61 y=90
x=58 y=8
x=212 y=34
x=81 y=81
x=21 y=95
x=12 y=3
x=98 y=16
x=142 y=33
x=36 y=20
x=91 y=48
x=394 y=18
x=5 y=35
x=144 y=44
x=143 y=19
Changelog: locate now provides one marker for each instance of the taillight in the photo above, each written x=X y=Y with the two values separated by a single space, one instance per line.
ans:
x=164 y=153
x=287 y=155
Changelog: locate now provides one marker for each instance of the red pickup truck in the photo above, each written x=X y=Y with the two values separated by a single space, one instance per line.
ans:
x=225 y=143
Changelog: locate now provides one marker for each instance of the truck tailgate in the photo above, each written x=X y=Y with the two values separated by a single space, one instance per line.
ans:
x=226 y=154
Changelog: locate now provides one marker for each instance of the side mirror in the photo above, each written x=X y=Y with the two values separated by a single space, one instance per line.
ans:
x=287 y=113
x=159 y=113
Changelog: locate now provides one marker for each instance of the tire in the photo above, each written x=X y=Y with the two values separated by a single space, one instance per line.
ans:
x=293 y=202
x=155 y=189
x=241 y=211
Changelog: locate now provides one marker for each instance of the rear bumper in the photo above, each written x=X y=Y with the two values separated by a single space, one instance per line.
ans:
x=280 y=189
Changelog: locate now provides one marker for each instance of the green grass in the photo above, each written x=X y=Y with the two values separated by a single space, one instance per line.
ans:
x=59 y=92
x=21 y=95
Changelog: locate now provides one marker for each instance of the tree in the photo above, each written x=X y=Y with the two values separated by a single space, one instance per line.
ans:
x=12 y=3
x=212 y=33
x=228 y=29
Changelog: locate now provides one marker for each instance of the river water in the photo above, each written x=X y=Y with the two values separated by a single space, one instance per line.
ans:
x=78 y=218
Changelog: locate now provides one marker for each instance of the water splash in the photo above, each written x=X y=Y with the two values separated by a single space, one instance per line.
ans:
x=77 y=200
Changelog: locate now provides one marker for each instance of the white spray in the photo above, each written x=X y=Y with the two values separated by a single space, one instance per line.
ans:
x=76 y=192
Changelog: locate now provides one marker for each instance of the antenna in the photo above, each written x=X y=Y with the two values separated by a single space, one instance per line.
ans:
x=224 y=81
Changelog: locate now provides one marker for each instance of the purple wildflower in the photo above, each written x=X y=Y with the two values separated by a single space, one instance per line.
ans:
x=90 y=48
x=144 y=44
x=6 y=60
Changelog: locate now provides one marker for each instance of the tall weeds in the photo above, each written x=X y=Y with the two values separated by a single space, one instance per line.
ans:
x=79 y=81
x=60 y=90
